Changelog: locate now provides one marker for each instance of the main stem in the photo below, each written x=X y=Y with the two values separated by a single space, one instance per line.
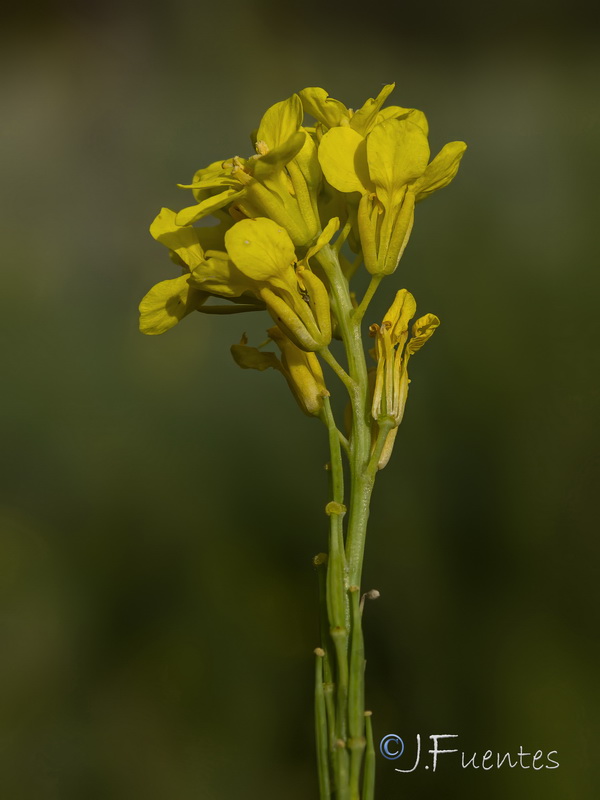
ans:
x=344 y=568
x=361 y=477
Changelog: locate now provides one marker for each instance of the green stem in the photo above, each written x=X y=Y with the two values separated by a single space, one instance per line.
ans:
x=361 y=490
x=336 y=600
x=369 y=776
x=320 y=562
x=351 y=335
x=356 y=696
x=351 y=666
x=330 y=359
x=321 y=728
x=328 y=691
x=339 y=242
x=344 y=442
x=359 y=312
x=341 y=761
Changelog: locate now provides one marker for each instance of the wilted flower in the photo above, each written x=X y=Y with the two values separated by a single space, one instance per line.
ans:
x=393 y=350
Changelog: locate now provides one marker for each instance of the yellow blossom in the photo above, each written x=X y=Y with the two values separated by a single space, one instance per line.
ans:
x=385 y=158
x=295 y=297
x=331 y=113
x=255 y=267
x=171 y=300
x=280 y=182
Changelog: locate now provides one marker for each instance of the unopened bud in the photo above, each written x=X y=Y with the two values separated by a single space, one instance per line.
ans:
x=302 y=372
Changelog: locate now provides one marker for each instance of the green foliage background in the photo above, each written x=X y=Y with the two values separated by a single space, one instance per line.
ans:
x=160 y=508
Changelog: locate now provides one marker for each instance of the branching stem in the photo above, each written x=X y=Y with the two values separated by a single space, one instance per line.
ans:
x=358 y=313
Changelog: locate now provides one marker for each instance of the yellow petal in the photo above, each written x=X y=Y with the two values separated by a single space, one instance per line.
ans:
x=319 y=105
x=211 y=181
x=219 y=275
x=274 y=161
x=280 y=122
x=167 y=303
x=308 y=162
x=182 y=240
x=324 y=238
x=441 y=171
x=363 y=120
x=220 y=174
x=412 y=114
x=422 y=330
x=342 y=156
x=397 y=152
x=261 y=249
x=252 y=358
x=188 y=215
x=215 y=172
x=400 y=313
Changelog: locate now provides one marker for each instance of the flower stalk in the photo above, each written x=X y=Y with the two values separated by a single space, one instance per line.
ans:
x=294 y=223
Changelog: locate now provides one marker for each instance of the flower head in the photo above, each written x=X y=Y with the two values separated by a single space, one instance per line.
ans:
x=170 y=301
x=384 y=157
x=360 y=170
x=256 y=267
x=294 y=296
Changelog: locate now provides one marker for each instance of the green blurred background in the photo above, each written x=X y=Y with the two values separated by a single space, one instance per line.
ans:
x=160 y=507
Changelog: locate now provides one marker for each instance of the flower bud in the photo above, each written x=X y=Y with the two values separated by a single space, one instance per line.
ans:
x=302 y=372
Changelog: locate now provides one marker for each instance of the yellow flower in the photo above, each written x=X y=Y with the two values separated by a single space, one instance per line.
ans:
x=331 y=113
x=255 y=267
x=167 y=303
x=296 y=298
x=385 y=159
x=280 y=182
x=393 y=350
x=170 y=301
x=301 y=370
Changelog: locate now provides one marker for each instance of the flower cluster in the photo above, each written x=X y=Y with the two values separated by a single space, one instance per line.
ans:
x=354 y=175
